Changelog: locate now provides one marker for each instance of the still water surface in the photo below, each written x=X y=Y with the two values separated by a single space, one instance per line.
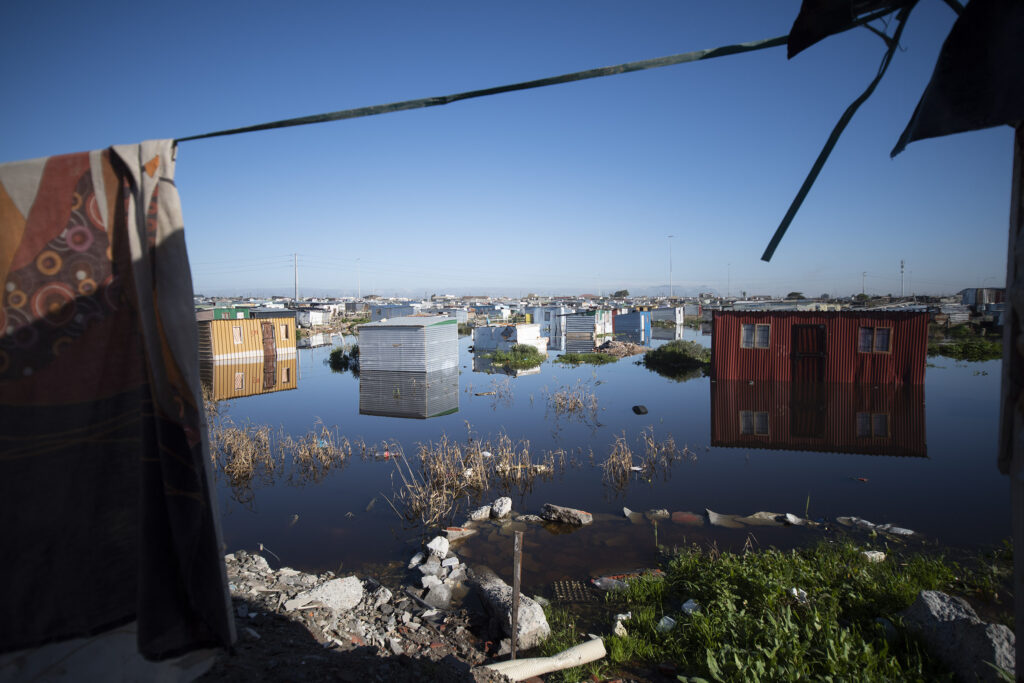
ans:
x=928 y=458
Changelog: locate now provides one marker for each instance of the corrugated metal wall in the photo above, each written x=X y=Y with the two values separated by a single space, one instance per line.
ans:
x=247 y=378
x=217 y=338
x=820 y=417
x=633 y=327
x=409 y=394
x=905 y=363
x=409 y=345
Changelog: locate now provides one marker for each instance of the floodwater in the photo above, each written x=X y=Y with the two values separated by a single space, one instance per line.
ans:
x=920 y=458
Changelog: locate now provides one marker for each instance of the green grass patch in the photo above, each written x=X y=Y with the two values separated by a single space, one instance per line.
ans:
x=666 y=324
x=465 y=329
x=750 y=626
x=973 y=350
x=519 y=357
x=679 y=360
x=589 y=358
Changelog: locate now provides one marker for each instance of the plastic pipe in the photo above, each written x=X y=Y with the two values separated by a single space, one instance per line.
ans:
x=521 y=669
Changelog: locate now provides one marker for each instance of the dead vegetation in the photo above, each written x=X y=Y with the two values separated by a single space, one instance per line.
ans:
x=576 y=402
x=651 y=458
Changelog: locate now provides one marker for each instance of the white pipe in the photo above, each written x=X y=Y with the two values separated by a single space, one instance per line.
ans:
x=521 y=669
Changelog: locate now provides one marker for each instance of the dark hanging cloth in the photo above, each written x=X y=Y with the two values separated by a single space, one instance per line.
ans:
x=107 y=507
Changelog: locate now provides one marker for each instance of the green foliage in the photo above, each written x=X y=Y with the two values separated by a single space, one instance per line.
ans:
x=751 y=626
x=465 y=329
x=342 y=361
x=589 y=358
x=963 y=342
x=795 y=295
x=520 y=357
x=666 y=324
x=679 y=360
x=620 y=293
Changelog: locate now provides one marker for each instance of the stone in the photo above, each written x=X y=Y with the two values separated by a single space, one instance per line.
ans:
x=501 y=507
x=439 y=596
x=619 y=630
x=480 y=514
x=687 y=518
x=496 y=595
x=438 y=547
x=381 y=596
x=458 y=574
x=396 y=646
x=564 y=515
x=337 y=594
x=450 y=562
x=529 y=519
x=432 y=566
x=455 y=533
x=873 y=555
x=260 y=564
x=954 y=634
x=430 y=581
x=655 y=515
x=640 y=410
x=416 y=560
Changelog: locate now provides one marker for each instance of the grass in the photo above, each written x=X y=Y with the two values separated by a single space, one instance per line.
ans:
x=590 y=358
x=679 y=360
x=651 y=456
x=750 y=626
x=575 y=402
x=519 y=357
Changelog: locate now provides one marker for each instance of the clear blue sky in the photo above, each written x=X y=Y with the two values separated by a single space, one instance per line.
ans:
x=568 y=189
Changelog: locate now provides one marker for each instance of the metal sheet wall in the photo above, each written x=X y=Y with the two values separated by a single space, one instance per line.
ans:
x=820 y=417
x=409 y=394
x=904 y=363
x=226 y=381
x=217 y=338
x=413 y=347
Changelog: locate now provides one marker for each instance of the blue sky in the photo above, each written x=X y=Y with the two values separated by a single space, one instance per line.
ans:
x=567 y=189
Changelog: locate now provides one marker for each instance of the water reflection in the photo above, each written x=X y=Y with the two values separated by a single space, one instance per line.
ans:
x=396 y=393
x=670 y=333
x=225 y=381
x=839 y=418
x=486 y=365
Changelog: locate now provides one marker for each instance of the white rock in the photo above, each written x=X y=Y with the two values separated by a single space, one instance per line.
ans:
x=501 y=507
x=438 y=547
x=416 y=560
x=450 y=562
x=620 y=630
x=429 y=581
x=337 y=594
x=496 y=595
x=691 y=606
x=480 y=514
x=873 y=555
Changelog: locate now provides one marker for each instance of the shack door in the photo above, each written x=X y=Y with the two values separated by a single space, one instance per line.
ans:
x=807 y=363
x=269 y=356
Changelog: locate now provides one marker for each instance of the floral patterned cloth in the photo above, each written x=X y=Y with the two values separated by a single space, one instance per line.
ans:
x=107 y=504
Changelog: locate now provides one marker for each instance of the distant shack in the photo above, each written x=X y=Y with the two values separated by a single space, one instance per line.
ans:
x=413 y=344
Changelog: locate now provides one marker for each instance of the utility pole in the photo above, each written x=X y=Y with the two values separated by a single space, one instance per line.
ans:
x=728 y=281
x=902 y=291
x=862 y=275
x=670 y=266
x=359 y=280
x=295 y=264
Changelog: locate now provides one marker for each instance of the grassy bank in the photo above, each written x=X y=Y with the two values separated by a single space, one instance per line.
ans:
x=964 y=342
x=519 y=357
x=752 y=626
x=678 y=359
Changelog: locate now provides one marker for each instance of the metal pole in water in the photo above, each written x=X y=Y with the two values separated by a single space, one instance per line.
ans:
x=517 y=564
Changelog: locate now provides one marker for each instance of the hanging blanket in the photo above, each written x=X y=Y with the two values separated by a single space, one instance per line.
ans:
x=106 y=513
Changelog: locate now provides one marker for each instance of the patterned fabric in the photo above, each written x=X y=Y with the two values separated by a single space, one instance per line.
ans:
x=107 y=503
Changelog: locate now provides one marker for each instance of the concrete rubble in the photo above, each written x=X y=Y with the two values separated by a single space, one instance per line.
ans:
x=956 y=635
x=360 y=617
x=564 y=515
x=532 y=625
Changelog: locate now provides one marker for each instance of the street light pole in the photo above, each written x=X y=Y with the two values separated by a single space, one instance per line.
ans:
x=670 y=266
x=359 y=281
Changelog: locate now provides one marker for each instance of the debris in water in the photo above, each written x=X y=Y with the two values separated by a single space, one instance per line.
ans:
x=666 y=624
x=635 y=517
x=863 y=480
x=691 y=606
x=798 y=594
x=640 y=410
x=295 y=520
x=873 y=555
x=373 y=501
x=727 y=521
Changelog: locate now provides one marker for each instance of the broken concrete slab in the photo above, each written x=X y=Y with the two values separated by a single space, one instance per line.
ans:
x=438 y=547
x=337 y=594
x=496 y=595
x=480 y=514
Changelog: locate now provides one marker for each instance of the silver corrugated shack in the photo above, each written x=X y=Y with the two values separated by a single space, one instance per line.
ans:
x=411 y=344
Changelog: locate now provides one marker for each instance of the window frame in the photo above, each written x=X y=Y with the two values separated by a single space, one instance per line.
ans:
x=236 y=334
x=871 y=432
x=754 y=342
x=755 y=417
x=872 y=331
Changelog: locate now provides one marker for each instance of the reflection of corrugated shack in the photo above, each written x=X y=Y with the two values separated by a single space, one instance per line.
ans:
x=586 y=329
x=841 y=418
x=246 y=339
x=412 y=344
x=230 y=380
x=878 y=347
x=409 y=394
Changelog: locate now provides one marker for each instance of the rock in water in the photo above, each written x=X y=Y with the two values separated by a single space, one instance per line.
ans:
x=640 y=410
x=501 y=507
x=563 y=515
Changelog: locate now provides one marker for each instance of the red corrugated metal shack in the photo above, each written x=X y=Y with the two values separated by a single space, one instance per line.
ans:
x=877 y=347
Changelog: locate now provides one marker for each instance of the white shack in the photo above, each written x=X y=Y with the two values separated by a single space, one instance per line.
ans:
x=504 y=337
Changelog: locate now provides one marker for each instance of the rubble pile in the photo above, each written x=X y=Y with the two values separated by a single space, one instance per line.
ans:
x=621 y=349
x=354 y=629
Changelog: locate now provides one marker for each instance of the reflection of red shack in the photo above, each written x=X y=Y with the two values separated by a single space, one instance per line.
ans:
x=876 y=347
x=841 y=418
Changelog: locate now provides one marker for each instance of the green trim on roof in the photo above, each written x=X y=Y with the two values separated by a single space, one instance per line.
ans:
x=452 y=321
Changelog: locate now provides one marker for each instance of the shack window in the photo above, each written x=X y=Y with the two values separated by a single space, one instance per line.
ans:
x=872 y=425
x=236 y=334
x=547 y=316
x=287 y=375
x=755 y=336
x=874 y=340
x=284 y=331
x=754 y=422
x=239 y=379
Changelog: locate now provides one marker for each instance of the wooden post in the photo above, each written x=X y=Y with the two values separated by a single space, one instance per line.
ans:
x=1011 y=433
x=517 y=563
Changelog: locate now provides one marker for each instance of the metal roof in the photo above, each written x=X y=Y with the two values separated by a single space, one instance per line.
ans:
x=413 y=321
